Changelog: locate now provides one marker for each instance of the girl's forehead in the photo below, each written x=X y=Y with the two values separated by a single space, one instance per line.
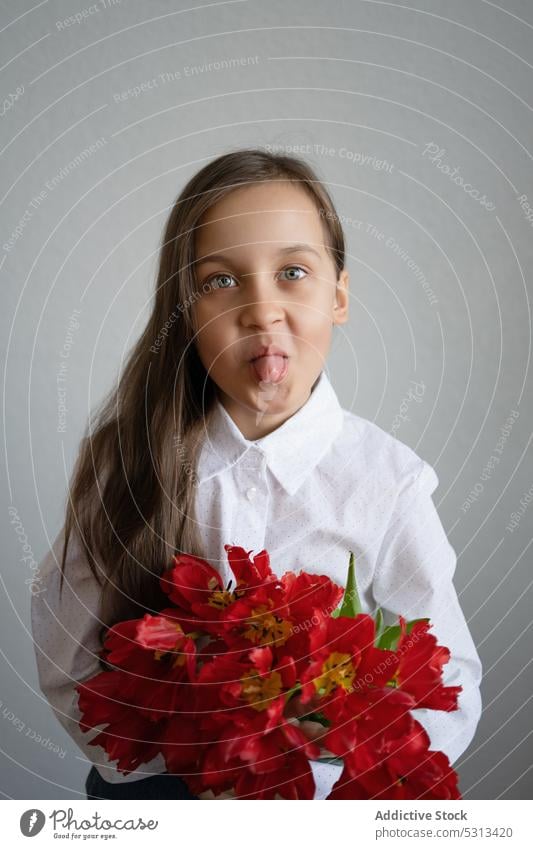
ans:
x=260 y=215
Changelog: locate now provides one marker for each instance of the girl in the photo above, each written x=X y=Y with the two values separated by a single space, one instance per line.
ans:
x=225 y=428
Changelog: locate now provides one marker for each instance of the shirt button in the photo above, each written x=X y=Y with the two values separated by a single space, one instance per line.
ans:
x=251 y=493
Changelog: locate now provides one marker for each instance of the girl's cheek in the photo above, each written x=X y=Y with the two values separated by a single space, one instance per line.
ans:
x=201 y=315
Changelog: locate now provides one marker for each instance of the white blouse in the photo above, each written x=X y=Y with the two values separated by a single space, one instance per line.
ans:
x=325 y=483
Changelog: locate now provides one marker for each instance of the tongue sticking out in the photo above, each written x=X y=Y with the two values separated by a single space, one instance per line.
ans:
x=270 y=369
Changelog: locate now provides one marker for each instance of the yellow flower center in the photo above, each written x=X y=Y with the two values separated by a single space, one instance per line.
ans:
x=258 y=691
x=221 y=599
x=337 y=671
x=265 y=628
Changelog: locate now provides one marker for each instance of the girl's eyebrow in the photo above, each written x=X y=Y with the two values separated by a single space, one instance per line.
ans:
x=300 y=247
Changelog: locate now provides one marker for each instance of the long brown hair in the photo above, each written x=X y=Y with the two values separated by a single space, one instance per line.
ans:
x=131 y=501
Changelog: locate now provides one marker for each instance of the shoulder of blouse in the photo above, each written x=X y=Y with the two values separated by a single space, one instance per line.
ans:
x=389 y=458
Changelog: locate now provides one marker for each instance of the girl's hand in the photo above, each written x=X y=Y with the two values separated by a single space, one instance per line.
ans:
x=313 y=730
x=296 y=708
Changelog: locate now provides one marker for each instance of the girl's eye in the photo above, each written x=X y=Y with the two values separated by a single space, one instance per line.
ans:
x=224 y=278
x=294 y=268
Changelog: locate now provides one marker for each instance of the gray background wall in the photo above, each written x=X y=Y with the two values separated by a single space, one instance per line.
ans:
x=368 y=86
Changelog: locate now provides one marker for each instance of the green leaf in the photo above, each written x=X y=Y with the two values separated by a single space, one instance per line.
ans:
x=389 y=638
x=290 y=693
x=409 y=625
x=351 y=604
x=379 y=623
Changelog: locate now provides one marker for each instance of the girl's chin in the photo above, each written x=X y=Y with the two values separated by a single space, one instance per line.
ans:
x=269 y=399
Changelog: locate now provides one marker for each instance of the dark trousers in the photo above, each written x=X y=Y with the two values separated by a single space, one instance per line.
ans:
x=162 y=786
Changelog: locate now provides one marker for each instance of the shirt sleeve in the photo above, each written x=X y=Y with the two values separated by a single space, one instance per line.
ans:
x=66 y=635
x=414 y=576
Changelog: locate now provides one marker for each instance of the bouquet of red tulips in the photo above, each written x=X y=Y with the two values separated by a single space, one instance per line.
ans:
x=226 y=682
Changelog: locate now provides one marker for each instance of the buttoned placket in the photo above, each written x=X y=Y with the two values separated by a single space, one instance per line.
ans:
x=251 y=515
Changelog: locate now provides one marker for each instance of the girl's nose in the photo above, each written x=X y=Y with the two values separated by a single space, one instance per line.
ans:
x=261 y=313
x=261 y=305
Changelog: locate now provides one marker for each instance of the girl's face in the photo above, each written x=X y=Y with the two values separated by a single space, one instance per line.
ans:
x=265 y=278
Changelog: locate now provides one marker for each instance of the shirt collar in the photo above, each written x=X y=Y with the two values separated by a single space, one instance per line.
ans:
x=291 y=451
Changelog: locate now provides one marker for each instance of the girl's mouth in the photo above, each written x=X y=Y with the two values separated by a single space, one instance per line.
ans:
x=271 y=368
